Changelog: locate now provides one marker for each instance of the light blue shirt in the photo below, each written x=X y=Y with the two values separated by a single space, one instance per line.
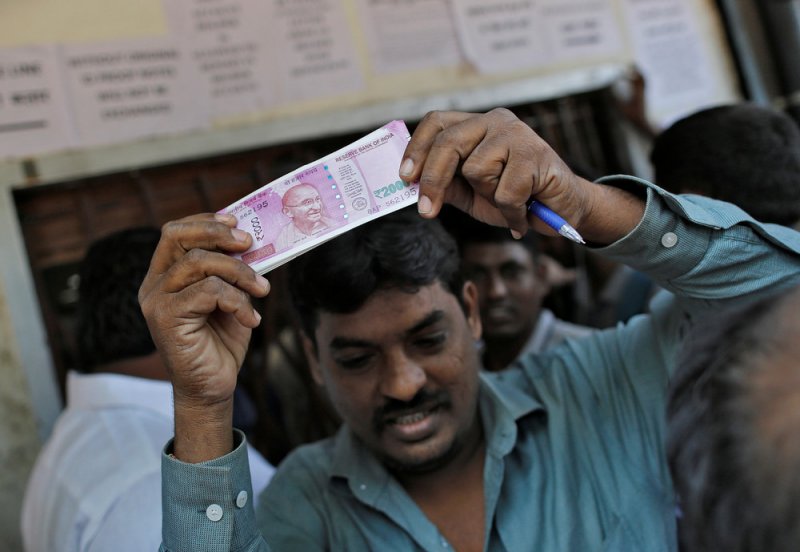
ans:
x=575 y=437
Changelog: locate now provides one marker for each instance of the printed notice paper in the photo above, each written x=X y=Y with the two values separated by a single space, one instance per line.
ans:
x=33 y=109
x=317 y=56
x=409 y=34
x=324 y=199
x=129 y=89
x=225 y=42
x=501 y=35
x=672 y=56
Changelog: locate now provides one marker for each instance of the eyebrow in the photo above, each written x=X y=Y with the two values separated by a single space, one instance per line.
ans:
x=430 y=319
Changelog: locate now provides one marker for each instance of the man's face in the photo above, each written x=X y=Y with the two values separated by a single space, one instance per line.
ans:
x=303 y=203
x=511 y=287
x=402 y=372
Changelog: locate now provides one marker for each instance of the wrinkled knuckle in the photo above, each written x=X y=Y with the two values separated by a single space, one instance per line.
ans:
x=428 y=181
x=171 y=229
x=502 y=113
x=506 y=199
x=433 y=117
x=214 y=284
x=474 y=170
x=148 y=308
x=194 y=257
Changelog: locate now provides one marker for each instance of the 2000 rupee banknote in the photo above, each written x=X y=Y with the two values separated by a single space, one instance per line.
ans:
x=324 y=199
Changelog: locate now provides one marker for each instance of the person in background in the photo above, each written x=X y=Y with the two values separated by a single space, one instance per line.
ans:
x=512 y=280
x=563 y=451
x=743 y=154
x=733 y=419
x=96 y=485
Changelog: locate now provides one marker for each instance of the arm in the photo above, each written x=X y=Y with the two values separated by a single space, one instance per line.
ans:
x=196 y=300
x=490 y=165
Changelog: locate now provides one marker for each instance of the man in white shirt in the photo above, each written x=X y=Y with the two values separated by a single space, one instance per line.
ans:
x=85 y=497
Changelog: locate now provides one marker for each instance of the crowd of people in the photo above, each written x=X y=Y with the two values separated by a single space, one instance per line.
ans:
x=472 y=414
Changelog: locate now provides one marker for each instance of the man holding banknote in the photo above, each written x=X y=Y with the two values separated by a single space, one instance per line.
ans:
x=563 y=451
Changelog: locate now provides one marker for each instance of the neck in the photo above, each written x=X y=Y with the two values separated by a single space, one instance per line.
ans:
x=500 y=351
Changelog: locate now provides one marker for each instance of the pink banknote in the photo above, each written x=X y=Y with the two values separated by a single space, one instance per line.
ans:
x=326 y=198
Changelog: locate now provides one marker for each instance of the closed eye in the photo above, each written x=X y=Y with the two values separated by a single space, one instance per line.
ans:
x=354 y=362
x=431 y=341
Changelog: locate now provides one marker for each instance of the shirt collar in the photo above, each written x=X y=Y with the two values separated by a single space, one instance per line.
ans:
x=95 y=391
x=541 y=333
x=503 y=402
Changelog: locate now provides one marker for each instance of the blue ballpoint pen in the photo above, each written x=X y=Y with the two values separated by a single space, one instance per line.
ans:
x=554 y=221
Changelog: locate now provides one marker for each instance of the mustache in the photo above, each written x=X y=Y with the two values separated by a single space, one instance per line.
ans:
x=394 y=408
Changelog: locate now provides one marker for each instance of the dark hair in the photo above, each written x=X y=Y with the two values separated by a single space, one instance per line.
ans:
x=744 y=154
x=400 y=250
x=110 y=324
x=466 y=230
x=738 y=483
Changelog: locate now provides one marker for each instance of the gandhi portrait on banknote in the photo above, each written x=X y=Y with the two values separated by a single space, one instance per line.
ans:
x=303 y=205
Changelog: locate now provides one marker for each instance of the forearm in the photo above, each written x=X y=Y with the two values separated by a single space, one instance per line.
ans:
x=202 y=432
x=611 y=214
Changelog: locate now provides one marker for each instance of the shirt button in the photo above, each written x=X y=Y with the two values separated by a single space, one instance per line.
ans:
x=444 y=543
x=669 y=240
x=214 y=512
x=241 y=499
x=363 y=487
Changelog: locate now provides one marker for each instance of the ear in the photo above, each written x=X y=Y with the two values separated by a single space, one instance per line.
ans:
x=312 y=357
x=286 y=212
x=469 y=294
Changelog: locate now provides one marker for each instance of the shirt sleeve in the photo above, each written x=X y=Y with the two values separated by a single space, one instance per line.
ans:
x=209 y=506
x=701 y=248
x=707 y=253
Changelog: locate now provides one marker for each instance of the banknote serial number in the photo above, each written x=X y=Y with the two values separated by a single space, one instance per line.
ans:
x=391 y=189
x=258 y=232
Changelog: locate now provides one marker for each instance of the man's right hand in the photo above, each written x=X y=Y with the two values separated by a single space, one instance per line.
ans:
x=196 y=300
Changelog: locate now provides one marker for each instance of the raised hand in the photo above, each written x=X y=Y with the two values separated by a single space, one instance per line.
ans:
x=490 y=166
x=196 y=300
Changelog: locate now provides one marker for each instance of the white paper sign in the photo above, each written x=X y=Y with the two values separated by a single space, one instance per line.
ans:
x=314 y=48
x=33 y=112
x=581 y=30
x=671 y=55
x=404 y=35
x=227 y=44
x=129 y=89
x=501 y=35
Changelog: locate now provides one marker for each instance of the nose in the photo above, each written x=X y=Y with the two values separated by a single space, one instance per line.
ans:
x=496 y=287
x=402 y=378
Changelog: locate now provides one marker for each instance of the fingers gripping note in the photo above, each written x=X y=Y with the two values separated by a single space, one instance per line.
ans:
x=489 y=165
x=196 y=300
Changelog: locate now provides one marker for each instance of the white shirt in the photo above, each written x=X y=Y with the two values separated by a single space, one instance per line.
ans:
x=96 y=485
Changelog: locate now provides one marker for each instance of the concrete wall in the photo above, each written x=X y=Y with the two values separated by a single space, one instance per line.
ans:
x=19 y=438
